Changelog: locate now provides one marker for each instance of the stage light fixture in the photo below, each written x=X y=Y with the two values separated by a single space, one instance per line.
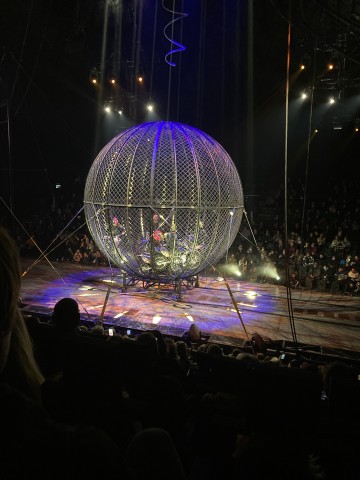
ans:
x=120 y=112
x=304 y=95
x=94 y=76
x=140 y=79
x=331 y=100
x=108 y=107
x=305 y=62
x=150 y=107
x=112 y=79
x=356 y=129
x=334 y=62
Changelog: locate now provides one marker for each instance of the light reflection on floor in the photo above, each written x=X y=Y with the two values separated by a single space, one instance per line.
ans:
x=332 y=321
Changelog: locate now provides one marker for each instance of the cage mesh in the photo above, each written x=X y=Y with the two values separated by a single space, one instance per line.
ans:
x=163 y=201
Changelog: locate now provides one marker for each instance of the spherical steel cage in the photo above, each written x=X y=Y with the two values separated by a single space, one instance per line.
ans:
x=163 y=201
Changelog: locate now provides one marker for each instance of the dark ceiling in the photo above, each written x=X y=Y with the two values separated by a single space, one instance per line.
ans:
x=52 y=124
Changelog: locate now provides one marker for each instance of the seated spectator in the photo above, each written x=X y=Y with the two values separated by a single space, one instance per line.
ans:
x=215 y=350
x=335 y=244
x=77 y=257
x=234 y=352
x=334 y=374
x=248 y=360
x=194 y=333
x=171 y=349
x=36 y=446
x=203 y=347
x=148 y=339
x=321 y=240
x=243 y=265
x=31 y=441
x=98 y=330
x=66 y=315
x=353 y=280
x=313 y=249
x=355 y=262
x=308 y=262
x=260 y=343
x=341 y=277
x=96 y=258
x=182 y=353
x=294 y=280
x=345 y=244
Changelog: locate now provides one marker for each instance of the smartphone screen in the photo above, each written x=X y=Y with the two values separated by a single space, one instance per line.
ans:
x=111 y=331
x=128 y=332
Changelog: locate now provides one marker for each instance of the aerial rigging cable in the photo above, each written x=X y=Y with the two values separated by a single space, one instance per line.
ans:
x=286 y=243
x=310 y=135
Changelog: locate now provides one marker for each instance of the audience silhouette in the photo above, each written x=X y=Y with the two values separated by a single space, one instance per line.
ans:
x=36 y=446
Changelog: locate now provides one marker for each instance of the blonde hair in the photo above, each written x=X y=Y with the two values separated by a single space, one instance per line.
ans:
x=21 y=369
x=10 y=281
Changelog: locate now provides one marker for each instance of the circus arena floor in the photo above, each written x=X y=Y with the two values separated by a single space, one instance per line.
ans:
x=324 y=322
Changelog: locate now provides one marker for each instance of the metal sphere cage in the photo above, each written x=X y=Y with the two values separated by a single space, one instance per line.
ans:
x=163 y=201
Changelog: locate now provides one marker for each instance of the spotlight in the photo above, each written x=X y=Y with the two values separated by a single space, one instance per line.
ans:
x=334 y=62
x=112 y=79
x=331 y=100
x=316 y=130
x=109 y=105
x=305 y=62
x=304 y=95
x=120 y=112
x=140 y=79
x=356 y=125
x=94 y=76
x=150 y=107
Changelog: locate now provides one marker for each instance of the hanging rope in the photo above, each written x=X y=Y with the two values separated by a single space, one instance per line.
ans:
x=47 y=250
x=287 y=273
x=179 y=71
x=153 y=51
x=308 y=148
x=221 y=275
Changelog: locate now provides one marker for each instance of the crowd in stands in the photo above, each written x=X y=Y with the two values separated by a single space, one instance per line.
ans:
x=79 y=402
x=323 y=238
